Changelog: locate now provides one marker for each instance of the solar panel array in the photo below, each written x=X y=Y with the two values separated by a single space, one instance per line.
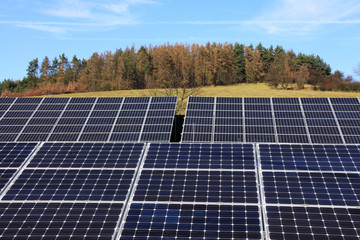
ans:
x=129 y=119
x=273 y=120
x=95 y=168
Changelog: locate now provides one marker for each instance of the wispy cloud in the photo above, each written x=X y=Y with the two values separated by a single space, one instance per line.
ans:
x=86 y=15
x=303 y=16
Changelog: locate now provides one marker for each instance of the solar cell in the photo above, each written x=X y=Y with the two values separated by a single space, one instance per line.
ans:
x=56 y=100
x=309 y=157
x=5 y=175
x=293 y=222
x=71 y=184
x=87 y=155
x=195 y=221
x=312 y=188
x=7 y=100
x=196 y=185
x=200 y=156
x=32 y=220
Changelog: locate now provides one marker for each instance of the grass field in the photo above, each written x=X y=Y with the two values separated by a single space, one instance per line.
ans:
x=240 y=90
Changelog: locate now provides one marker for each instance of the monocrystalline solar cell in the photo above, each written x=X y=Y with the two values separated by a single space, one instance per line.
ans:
x=31 y=220
x=51 y=107
x=235 y=100
x=87 y=155
x=335 y=101
x=109 y=100
x=309 y=157
x=201 y=156
x=196 y=137
x=191 y=221
x=299 y=222
x=5 y=175
x=137 y=100
x=154 y=137
x=107 y=107
x=197 y=185
x=28 y=100
x=55 y=100
x=71 y=185
x=164 y=99
x=285 y=101
x=94 y=137
x=228 y=137
x=7 y=100
x=70 y=137
x=312 y=188
x=82 y=100
x=14 y=154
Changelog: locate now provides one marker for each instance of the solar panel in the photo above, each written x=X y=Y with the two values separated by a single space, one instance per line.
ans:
x=195 y=191
x=78 y=119
x=61 y=220
x=321 y=120
x=347 y=112
x=298 y=222
x=195 y=221
x=87 y=155
x=304 y=187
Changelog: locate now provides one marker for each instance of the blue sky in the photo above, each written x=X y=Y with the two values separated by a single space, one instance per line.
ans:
x=37 y=28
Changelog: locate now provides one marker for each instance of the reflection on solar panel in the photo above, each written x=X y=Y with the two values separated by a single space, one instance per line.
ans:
x=304 y=186
x=273 y=120
x=212 y=188
x=87 y=119
x=195 y=221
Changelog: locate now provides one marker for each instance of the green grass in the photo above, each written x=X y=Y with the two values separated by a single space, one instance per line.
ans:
x=239 y=90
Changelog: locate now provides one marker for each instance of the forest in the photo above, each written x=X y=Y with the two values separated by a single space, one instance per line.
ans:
x=178 y=66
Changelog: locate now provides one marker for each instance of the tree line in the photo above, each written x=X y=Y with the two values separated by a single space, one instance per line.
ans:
x=178 y=66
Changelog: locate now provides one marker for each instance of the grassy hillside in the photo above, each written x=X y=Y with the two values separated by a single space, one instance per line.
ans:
x=240 y=90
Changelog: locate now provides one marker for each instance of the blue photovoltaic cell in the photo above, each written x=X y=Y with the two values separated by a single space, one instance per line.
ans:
x=82 y=100
x=309 y=157
x=201 y=99
x=28 y=100
x=29 y=220
x=200 y=156
x=197 y=185
x=191 y=221
x=71 y=184
x=137 y=100
x=312 y=188
x=298 y=222
x=154 y=137
x=109 y=100
x=55 y=100
x=6 y=100
x=5 y=175
x=88 y=155
x=14 y=154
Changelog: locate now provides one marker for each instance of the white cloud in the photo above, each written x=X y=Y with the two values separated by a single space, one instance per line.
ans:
x=304 y=16
x=46 y=28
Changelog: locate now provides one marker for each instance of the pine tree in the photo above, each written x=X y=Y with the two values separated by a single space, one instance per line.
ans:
x=239 y=67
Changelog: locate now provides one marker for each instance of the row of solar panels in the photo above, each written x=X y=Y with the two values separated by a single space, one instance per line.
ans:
x=277 y=120
x=207 y=119
x=121 y=119
x=162 y=190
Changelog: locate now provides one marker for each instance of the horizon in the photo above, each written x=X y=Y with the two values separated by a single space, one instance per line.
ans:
x=35 y=29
